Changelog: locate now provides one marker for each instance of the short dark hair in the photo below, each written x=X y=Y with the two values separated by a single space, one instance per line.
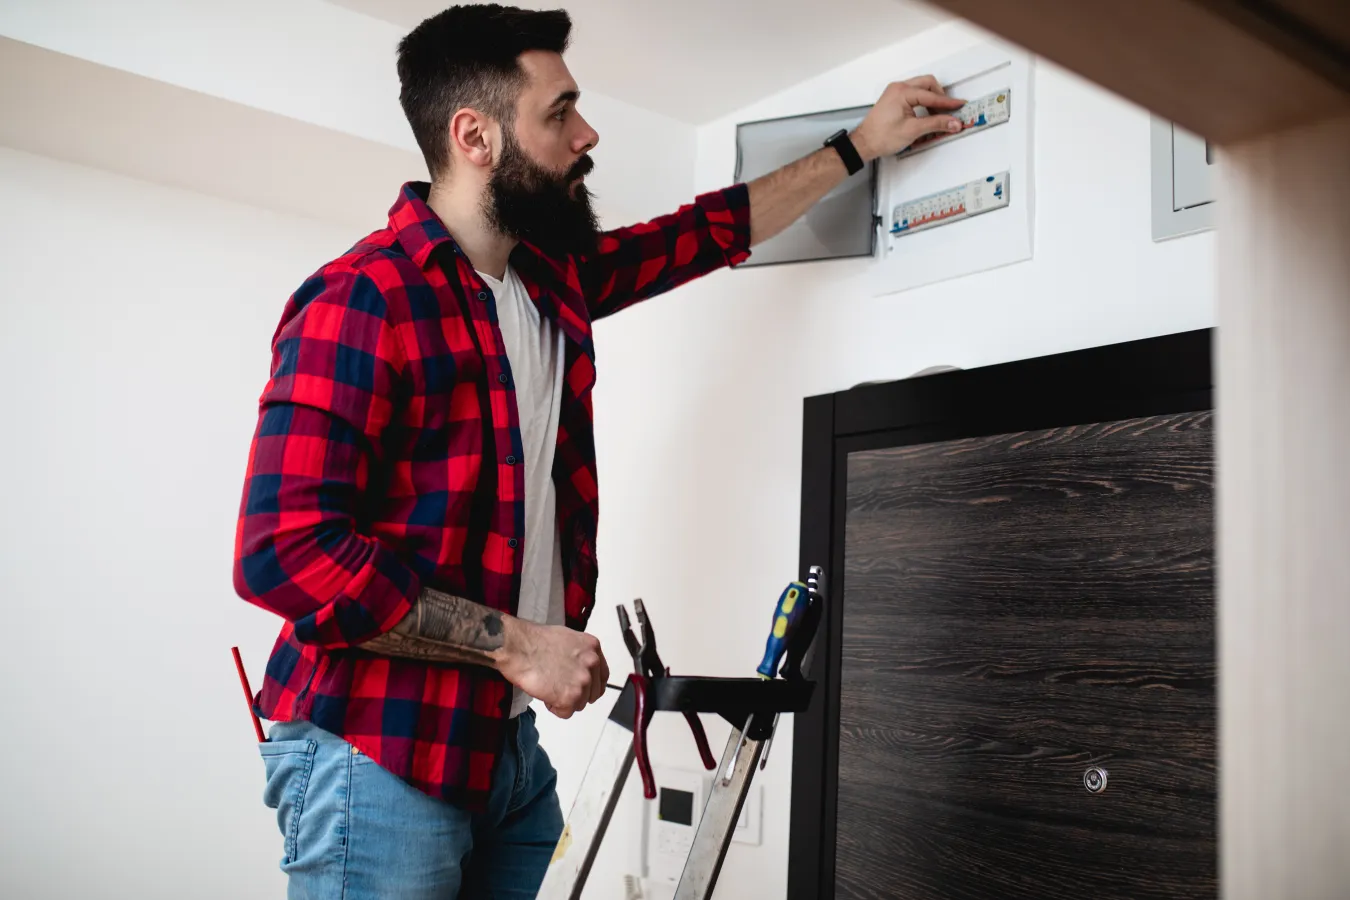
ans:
x=469 y=56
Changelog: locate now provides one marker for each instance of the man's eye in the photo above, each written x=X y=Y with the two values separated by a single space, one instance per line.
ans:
x=560 y=114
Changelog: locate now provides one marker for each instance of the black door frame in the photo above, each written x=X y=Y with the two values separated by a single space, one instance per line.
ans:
x=1152 y=376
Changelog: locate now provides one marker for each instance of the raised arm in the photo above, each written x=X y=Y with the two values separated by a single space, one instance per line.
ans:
x=784 y=195
x=641 y=261
x=719 y=228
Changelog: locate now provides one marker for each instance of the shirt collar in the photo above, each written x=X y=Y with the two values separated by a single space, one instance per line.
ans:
x=420 y=232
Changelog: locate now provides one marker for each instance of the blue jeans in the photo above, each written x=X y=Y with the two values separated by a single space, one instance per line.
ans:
x=354 y=831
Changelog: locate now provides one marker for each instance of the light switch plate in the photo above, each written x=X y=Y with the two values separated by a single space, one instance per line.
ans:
x=748 y=827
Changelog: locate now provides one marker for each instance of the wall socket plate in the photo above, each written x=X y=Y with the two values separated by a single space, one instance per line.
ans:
x=749 y=826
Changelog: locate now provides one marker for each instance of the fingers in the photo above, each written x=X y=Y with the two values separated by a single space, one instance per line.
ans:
x=592 y=658
x=588 y=675
x=916 y=96
x=931 y=124
x=599 y=676
x=574 y=699
x=927 y=82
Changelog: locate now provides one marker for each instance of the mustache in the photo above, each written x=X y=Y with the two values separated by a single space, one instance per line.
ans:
x=580 y=168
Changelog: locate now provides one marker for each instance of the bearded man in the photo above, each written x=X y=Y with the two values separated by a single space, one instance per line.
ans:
x=420 y=502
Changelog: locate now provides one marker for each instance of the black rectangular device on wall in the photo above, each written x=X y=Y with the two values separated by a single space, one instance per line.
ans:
x=1017 y=670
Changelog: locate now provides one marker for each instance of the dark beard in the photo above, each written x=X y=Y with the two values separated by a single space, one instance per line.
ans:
x=530 y=203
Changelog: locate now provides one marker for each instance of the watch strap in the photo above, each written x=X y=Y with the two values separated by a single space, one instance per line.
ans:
x=847 y=152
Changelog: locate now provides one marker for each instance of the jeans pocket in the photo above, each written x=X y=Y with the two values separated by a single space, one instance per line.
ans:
x=288 y=766
x=534 y=772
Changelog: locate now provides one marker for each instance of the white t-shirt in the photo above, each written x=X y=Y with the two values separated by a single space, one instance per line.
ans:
x=534 y=350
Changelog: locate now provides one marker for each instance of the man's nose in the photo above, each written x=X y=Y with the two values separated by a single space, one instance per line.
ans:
x=587 y=139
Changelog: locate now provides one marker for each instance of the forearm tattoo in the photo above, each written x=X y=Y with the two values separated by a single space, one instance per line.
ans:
x=443 y=628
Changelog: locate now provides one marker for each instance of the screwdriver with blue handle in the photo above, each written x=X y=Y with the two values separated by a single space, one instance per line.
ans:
x=792 y=607
x=795 y=620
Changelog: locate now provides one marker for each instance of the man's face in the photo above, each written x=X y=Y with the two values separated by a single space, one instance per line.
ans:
x=536 y=191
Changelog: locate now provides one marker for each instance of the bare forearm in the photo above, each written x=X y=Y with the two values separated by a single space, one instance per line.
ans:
x=784 y=195
x=565 y=669
x=445 y=628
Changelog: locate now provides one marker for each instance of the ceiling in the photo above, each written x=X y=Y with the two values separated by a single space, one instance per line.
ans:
x=78 y=111
x=697 y=60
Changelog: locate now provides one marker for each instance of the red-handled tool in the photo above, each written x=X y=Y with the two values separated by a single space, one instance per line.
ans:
x=647 y=666
x=751 y=705
x=248 y=695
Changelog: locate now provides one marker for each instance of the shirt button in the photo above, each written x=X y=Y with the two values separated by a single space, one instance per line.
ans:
x=502 y=378
x=512 y=542
x=482 y=295
x=510 y=460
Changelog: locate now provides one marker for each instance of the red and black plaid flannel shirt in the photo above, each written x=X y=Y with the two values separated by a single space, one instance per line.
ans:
x=385 y=459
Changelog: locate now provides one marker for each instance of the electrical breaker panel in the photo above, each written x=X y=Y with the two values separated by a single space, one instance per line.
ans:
x=945 y=179
x=951 y=205
x=980 y=114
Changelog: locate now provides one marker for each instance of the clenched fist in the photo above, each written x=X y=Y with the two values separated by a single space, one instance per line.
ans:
x=563 y=668
x=892 y=124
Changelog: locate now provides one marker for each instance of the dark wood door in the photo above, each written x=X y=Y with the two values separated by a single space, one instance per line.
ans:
x=1016 y=610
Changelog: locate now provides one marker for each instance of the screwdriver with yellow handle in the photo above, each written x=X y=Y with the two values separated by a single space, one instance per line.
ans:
x=795 y=604
x=792 y=604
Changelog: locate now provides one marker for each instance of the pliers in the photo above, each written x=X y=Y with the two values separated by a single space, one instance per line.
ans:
x=647 y=666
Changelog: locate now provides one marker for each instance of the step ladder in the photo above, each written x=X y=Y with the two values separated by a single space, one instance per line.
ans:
x=751 y=705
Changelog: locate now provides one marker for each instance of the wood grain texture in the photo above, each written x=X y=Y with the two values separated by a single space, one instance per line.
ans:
x=1242 y=77
x=1018 y=608
x=1284 y=586
x=1330 y=17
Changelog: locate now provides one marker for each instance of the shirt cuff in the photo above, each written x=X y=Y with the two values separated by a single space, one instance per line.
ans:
x=728 y=214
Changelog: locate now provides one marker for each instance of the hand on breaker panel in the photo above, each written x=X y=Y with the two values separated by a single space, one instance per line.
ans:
x=894 y=121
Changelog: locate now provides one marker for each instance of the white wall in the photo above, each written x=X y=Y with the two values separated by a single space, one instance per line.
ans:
x=131 y=402
x=137 y=327
x=700 y=392
x=134 y=420
x=310 y=62
x=135 y=345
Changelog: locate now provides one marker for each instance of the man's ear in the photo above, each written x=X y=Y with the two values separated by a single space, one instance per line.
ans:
x=473 y=136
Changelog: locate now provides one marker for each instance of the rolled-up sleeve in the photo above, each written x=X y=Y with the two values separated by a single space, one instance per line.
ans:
x=641 y=261
x=337 y=364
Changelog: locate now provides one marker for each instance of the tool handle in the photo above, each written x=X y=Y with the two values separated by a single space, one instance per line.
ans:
x=641 y=716
x=701 y=738
x=248 y=694
x=792 y=603
x=801 y=646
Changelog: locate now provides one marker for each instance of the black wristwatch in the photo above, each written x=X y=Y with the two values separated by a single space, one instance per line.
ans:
x=847 y=152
